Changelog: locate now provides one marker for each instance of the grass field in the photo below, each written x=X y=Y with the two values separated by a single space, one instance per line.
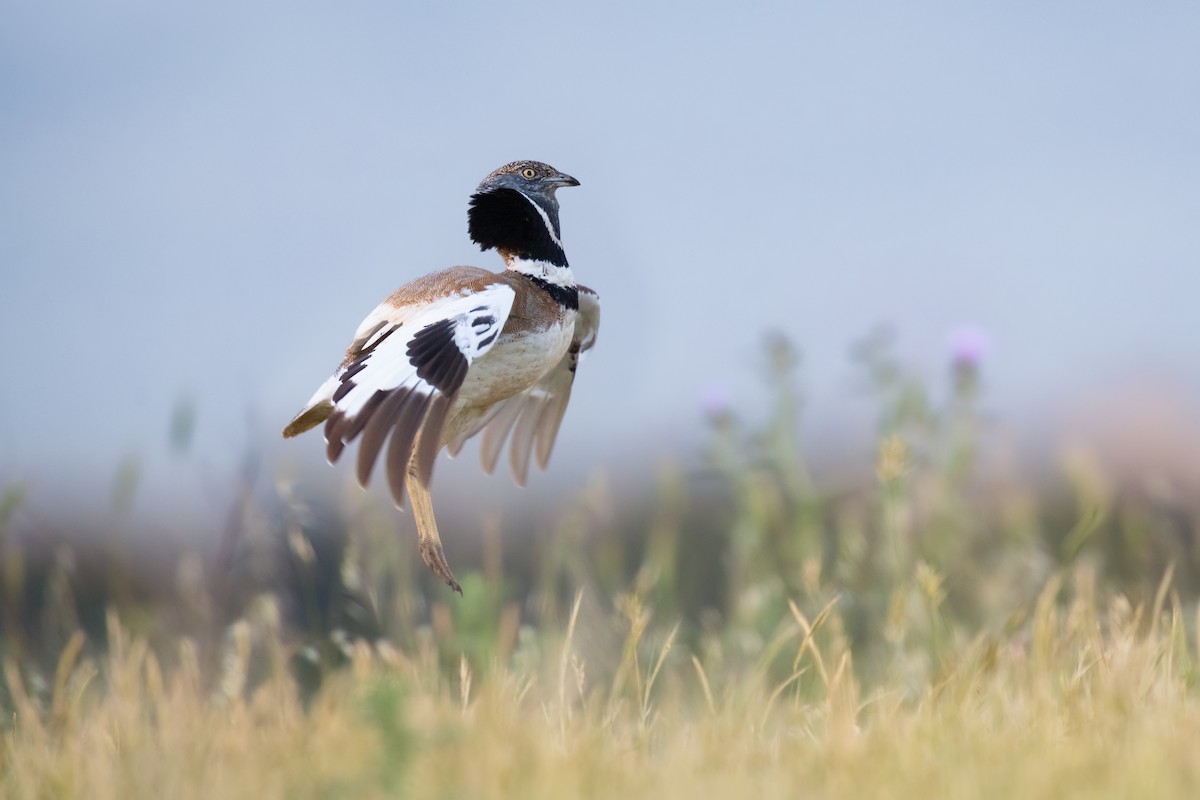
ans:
x=1082 y=703
x=927 y=634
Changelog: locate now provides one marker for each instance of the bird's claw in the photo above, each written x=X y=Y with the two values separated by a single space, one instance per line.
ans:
x=435 y=559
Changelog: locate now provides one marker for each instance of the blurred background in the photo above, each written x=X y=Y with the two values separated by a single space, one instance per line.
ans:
x=783 y=206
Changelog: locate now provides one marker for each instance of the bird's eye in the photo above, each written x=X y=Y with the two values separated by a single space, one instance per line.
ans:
x=529 y=172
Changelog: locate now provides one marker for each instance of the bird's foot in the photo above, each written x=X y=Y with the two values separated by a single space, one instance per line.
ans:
x=431 y=552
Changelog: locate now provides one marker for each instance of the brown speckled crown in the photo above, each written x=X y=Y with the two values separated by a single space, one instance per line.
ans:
x=515 y=167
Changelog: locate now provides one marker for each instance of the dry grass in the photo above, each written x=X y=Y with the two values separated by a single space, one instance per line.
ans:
x=1081 y=702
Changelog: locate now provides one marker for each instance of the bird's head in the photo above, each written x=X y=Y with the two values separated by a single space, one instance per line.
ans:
x=514 y=210
x=531 y=177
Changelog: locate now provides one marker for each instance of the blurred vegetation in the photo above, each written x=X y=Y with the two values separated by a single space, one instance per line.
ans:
x=743 y=628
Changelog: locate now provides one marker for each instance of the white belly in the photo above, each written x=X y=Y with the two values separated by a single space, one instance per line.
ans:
x=515 y=364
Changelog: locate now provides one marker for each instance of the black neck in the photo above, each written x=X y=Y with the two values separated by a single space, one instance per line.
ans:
x=508 y=221
x=566 y=296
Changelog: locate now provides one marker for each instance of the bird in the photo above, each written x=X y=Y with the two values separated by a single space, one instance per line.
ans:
x=465 y=351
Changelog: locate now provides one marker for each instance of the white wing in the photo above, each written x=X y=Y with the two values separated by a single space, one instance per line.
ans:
x=534 y=416
x=401 y=376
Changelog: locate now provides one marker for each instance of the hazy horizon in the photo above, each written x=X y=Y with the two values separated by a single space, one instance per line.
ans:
x=200 y=205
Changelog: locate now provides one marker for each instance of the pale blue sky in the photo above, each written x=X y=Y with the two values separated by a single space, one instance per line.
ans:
x=205 y=202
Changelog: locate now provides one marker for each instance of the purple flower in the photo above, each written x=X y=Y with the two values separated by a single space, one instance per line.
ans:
x=968 y=346
x=716 y=402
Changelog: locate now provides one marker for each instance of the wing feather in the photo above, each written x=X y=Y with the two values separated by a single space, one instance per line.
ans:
x=398 y=419
x=400 y=377
x=496 y=432
x=522 y=438
x=404 y=434
x=430 y=441
x=554 y=408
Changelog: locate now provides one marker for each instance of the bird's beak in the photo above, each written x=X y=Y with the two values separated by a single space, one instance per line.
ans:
x=561 y=179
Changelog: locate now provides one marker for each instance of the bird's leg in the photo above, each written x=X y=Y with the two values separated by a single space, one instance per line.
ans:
x=427 y=533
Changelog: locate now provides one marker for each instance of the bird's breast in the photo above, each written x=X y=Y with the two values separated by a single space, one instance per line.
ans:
x=515 y=363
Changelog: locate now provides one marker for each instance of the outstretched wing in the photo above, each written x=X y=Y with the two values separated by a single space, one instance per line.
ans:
x=534 y=416
x=401 y=376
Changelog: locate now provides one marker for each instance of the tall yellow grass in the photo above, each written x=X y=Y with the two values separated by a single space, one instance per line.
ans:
x=1081 y=701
